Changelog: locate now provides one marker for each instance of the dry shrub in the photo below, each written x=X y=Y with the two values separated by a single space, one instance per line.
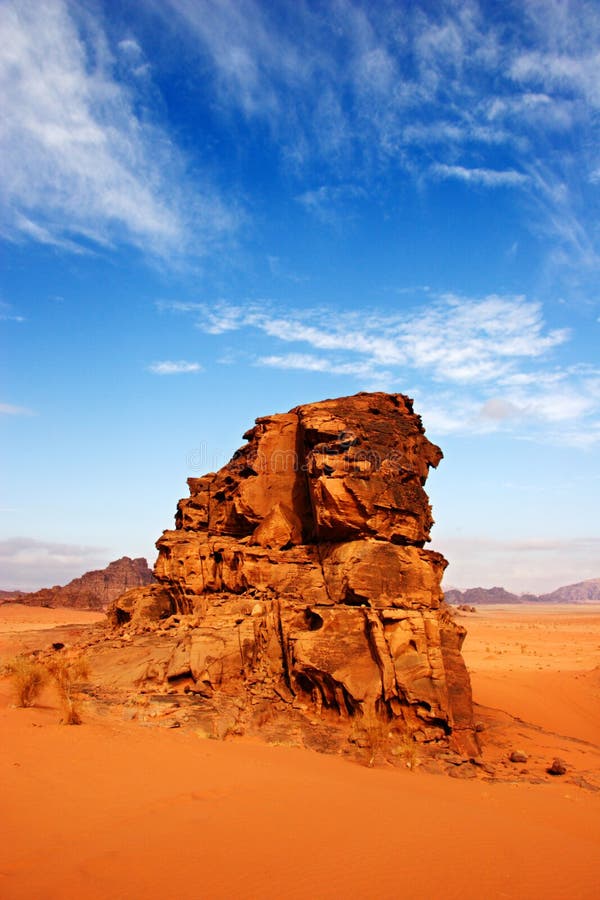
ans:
x=371 y=732
x=29 y=677
x=406 y=749
x=69 y=672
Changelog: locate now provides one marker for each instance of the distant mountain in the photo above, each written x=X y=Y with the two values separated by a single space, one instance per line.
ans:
x=8 y=596
x=478 y=596
x=94 y=590
x=582 y=592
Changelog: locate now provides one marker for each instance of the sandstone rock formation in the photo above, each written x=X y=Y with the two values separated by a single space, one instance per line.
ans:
x=297 y=577
x=94 y=590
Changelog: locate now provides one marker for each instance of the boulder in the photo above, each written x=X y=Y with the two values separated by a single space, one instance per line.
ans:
x=518 y=756
x=557 y=767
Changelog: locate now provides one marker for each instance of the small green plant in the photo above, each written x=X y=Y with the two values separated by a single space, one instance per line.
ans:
x=69 y=672
x=29 y=677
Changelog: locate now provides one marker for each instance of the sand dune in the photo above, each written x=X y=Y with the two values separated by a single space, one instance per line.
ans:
x=114 y=809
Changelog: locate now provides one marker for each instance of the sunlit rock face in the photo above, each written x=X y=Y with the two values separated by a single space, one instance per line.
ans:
x=301 y=573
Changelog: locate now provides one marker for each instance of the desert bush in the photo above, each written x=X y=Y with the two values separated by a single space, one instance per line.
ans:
x=371 y=732
x=29 y=677
x=69 y=672
x=405 y=748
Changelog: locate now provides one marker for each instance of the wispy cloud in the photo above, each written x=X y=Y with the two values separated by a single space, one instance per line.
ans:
x=330 y=203
x=8 y=409
x=455 y=339
x=42 y=235
x=168 y=367
x=306 y=362
x=486 y=177
x=557 y=70
x=474 y=364
x=7 y=314
x=418 y=91
x=83 y=165
x=364 y=97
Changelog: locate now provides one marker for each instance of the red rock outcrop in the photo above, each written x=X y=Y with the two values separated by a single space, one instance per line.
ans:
x=94 y=590
x=299 y=576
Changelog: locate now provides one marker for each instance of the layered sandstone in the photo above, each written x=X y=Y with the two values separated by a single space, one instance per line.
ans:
x=300 y=575
x=96 y=589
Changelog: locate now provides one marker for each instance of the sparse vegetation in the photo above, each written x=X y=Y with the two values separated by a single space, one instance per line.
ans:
x=405 y=748
x=69 y=672
x=29 y=677
x=379 y=739
x=371 y=732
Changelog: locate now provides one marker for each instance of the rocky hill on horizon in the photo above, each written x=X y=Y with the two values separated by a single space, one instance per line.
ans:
x=581 y=592
x=11 y=596
x=93 y=590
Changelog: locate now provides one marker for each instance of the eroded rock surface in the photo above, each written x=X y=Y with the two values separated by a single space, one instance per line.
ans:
x=297 y=578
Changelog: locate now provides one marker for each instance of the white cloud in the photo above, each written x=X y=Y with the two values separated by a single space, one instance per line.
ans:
x=456 y=339
x=558 y=202
x=499 y=409
x=245 y=52
x=168 y=367
x=473 y=364
x=329 y=203
x=560 y=71
x=303 y=361
x=7 y=315
x=387 y=92
x=486 y=177
x=306 y=362
x=130 y=47
x=29 y=564
x=7 y=409
x=584 y=436
x=42 y=235
x=81 y=166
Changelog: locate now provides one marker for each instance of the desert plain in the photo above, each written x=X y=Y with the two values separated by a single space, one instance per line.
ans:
x=120 y=808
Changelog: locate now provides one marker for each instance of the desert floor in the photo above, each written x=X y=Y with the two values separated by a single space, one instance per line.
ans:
x=122 y=809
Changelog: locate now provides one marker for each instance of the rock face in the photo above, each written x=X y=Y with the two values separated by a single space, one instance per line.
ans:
x=301 y=571
x=94 y=590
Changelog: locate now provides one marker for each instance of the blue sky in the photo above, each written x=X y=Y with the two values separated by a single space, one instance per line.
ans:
x=211 y=211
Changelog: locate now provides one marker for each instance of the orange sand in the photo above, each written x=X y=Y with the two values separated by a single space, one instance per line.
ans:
x=15 y=617
x=113 y=809
x=536 y=662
